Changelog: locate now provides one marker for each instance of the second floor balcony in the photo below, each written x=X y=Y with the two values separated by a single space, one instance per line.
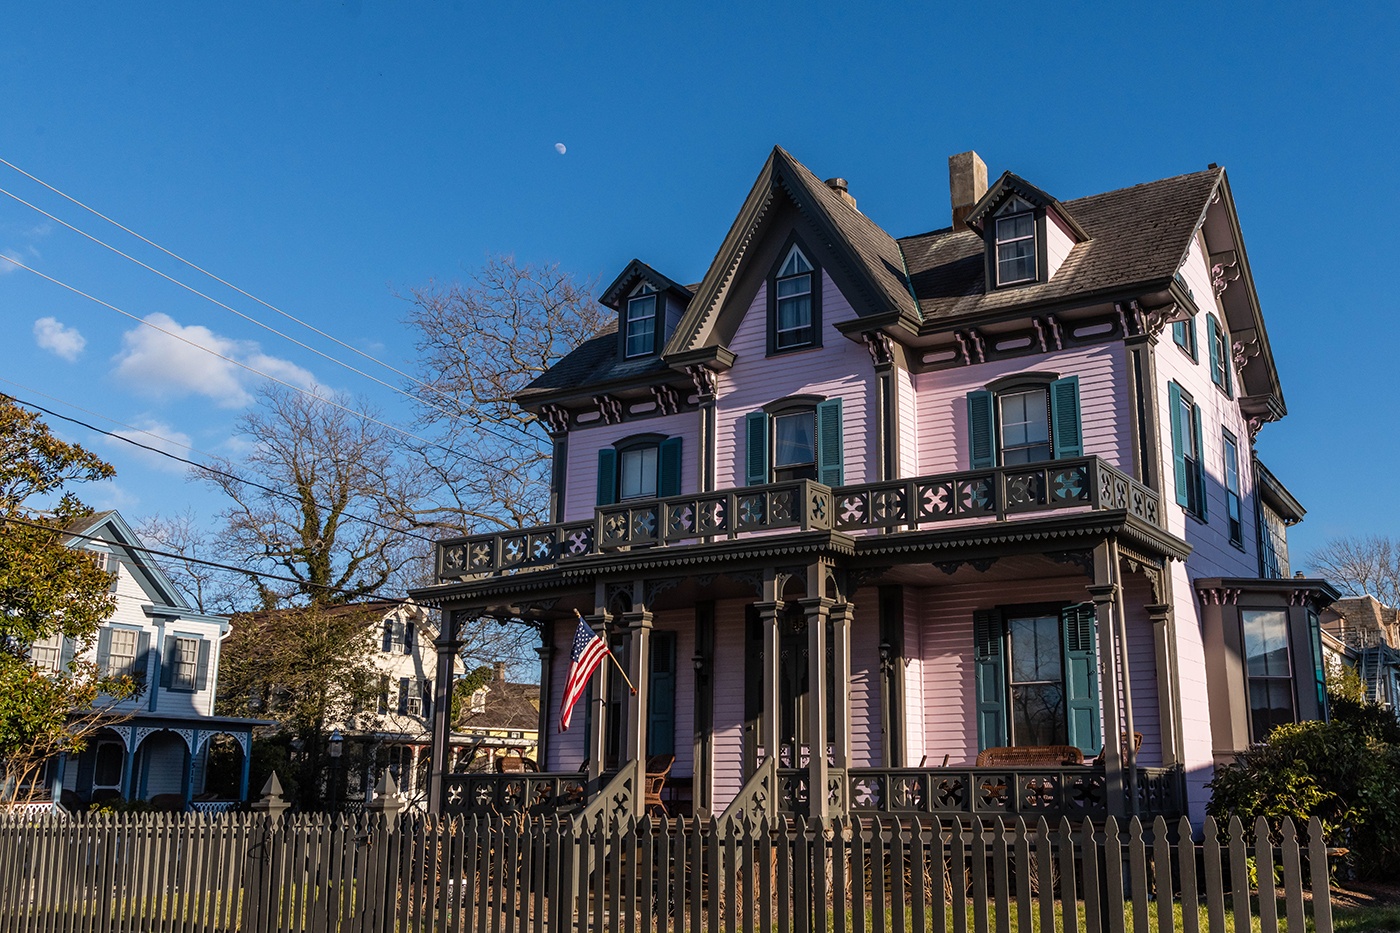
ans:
x=1002 y=494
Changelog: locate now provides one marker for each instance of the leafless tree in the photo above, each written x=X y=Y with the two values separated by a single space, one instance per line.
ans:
x=479 y=343
x=329 y=506
x=207 y=587
x=1361 y=564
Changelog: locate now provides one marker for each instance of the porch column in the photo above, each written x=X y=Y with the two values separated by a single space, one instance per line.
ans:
x=768 y=734
x=1167 y=686
x=187 y=785
x=545 y=651
x=1126 y=674
x=411 y=785
x=817 y=610
x=703 y=734
x=247 y=768
x=598 y=715
x=1104 y=593
x=448 y=645
x=638 y=627
x=129 y=766
x=841 y=617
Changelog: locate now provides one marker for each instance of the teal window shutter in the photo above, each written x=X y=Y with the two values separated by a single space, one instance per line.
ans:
x=831 y=467
x=607 y=476
x=426 y=691
x=1183 y=491
x=669 y=476
x=167 y=663
x=201 y=678
x=403 y=696
x=1077 y=626
x=141 y=664
x=756 y=454
x=65 y=653
x=1064 y=418
x=1200 y=477
x=661 y=695
x=989 y=665
x=1213 y=341
x=981 y=429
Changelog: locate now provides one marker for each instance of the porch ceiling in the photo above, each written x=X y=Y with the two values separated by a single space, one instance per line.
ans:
x=1008 y=569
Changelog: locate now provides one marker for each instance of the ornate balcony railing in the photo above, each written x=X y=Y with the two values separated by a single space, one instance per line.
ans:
x=509 y=794
x=803 y=505
x=1075 y=791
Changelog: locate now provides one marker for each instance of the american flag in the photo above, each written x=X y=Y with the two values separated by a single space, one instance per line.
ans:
x=589 y=651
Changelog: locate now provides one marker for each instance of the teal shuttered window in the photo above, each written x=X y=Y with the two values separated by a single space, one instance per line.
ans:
x=607 y=476
x=642 y=469
x=1024 y=424
x=1184 y=334
x=1219 y=357
x=795 y=443
x=1186 y=451
x=1037 y=678
x=661 y=695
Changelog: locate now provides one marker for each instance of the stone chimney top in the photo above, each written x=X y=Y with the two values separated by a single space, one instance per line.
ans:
x=499 y=675
x=967 y=182
x=839 y=186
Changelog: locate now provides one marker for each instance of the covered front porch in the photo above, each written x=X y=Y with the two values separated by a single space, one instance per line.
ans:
x=922 y=665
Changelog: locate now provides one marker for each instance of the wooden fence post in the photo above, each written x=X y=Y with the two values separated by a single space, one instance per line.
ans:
x=379 y=885
x=260 y=894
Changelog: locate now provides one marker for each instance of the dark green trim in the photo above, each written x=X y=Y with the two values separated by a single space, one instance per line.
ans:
x=794 y=239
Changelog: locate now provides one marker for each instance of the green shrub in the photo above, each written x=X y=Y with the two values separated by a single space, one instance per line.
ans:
x=1341 y=771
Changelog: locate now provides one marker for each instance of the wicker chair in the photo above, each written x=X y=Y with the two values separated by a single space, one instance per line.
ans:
x=510 y=764
x=658 y=769
x=1137 y=747
x=1030 y=756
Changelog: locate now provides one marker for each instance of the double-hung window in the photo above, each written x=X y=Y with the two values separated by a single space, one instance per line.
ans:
x=1268 y=669
x=1232 y=488
x=1015 y=243
x=643 y=466
x=795 y=438
x=794 y=308
x=121 y=653
x=1028 y=419
x=47 y=653
x=1220 y=356
x=1187 y=451
x=795 y=445
x=1037 y=681
x=641 y=323
x=184 y=662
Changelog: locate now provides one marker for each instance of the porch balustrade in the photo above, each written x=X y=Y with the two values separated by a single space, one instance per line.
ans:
x=1072 y=791
x=999 y=494
x=528 y=794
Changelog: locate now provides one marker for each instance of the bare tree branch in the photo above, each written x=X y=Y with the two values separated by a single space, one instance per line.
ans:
x=1361 y=565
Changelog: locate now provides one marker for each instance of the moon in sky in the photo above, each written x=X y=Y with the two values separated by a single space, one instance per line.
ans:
x=560 y=148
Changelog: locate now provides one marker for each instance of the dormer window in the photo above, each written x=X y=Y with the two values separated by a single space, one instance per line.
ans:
x=1015 y=243
x=794 y=312
x=640 y=325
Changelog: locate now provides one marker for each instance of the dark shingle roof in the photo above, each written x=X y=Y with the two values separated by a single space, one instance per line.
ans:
x=591 y=362
x=1137 y=235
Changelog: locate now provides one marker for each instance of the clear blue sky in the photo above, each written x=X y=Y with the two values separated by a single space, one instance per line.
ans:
x=326 y=156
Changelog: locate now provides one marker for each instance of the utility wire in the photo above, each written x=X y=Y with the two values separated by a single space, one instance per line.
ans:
x=257 y=372
x=243 y=571
x=205 y=467
x=252 y=320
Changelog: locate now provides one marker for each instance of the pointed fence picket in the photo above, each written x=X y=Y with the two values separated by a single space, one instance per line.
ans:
x=383 y=872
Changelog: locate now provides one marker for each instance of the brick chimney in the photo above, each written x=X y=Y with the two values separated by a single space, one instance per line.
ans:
x=967 y=182
x=839 y=186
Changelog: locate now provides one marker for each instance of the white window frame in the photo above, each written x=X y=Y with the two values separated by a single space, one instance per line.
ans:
x=639 y=297
x=1015 y=209
x=128 y=667
x=47 y=653
x=1002 y=447
x=797 y=468
x=178 y=682
x=654 y=473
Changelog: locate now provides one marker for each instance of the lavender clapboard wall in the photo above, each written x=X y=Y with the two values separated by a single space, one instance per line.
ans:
x=1104 y=404
x=729 y=680
x=915 y=704
x=865 y=686
x=581 y=495
x=1212 y=554
x=944 y=618
x=840 y=367
x=907 y=408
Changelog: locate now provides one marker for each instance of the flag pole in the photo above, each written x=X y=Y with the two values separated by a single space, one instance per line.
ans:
x=625 y=679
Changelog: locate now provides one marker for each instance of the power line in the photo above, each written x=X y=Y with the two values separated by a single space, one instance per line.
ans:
x=252 y=320
x=242 y=571
x=205 y=467
x=257 y=372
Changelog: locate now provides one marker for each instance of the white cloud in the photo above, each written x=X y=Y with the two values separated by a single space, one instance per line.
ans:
x=50 y=334
x=166 y=438
x=7 y=267
x=159 y=366
x=108 y=495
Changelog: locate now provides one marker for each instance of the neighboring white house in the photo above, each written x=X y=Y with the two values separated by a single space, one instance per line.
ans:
x=158 y=743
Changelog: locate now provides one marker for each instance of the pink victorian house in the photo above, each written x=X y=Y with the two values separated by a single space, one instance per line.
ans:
x=964 y=522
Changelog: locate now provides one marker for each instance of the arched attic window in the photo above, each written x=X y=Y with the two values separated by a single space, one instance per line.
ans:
x=794 y=309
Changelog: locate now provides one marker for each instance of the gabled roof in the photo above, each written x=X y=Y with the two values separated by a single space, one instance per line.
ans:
x=1136 y=236
x=870 y=257
x=1008 y=185
x=614 y=294
x=159 y=586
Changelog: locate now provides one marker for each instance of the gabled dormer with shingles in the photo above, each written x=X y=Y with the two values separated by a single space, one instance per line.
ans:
x=1028 y=234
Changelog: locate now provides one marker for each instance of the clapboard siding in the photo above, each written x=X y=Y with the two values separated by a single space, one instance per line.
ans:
x=840 y=367
x=907 y=407
x=915 y=704
x=1103 y=401
x=565 y=751
x=865 y=686
x=729 y=679
x=1142 y=668
x=581 y=495
x=1213 y=555
x=1195 y=701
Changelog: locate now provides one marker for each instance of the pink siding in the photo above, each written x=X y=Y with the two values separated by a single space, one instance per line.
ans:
x=944 y=615
x=1213 y=554
x=729 y=702
x=915 y=704
x=907 y=408
x=1195 y=703
x=581 y=493
x=566 y=750
x=1058 y=243
x=1103 y=404
x=865 y=686
x=840 y=367
x=1142 y=668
